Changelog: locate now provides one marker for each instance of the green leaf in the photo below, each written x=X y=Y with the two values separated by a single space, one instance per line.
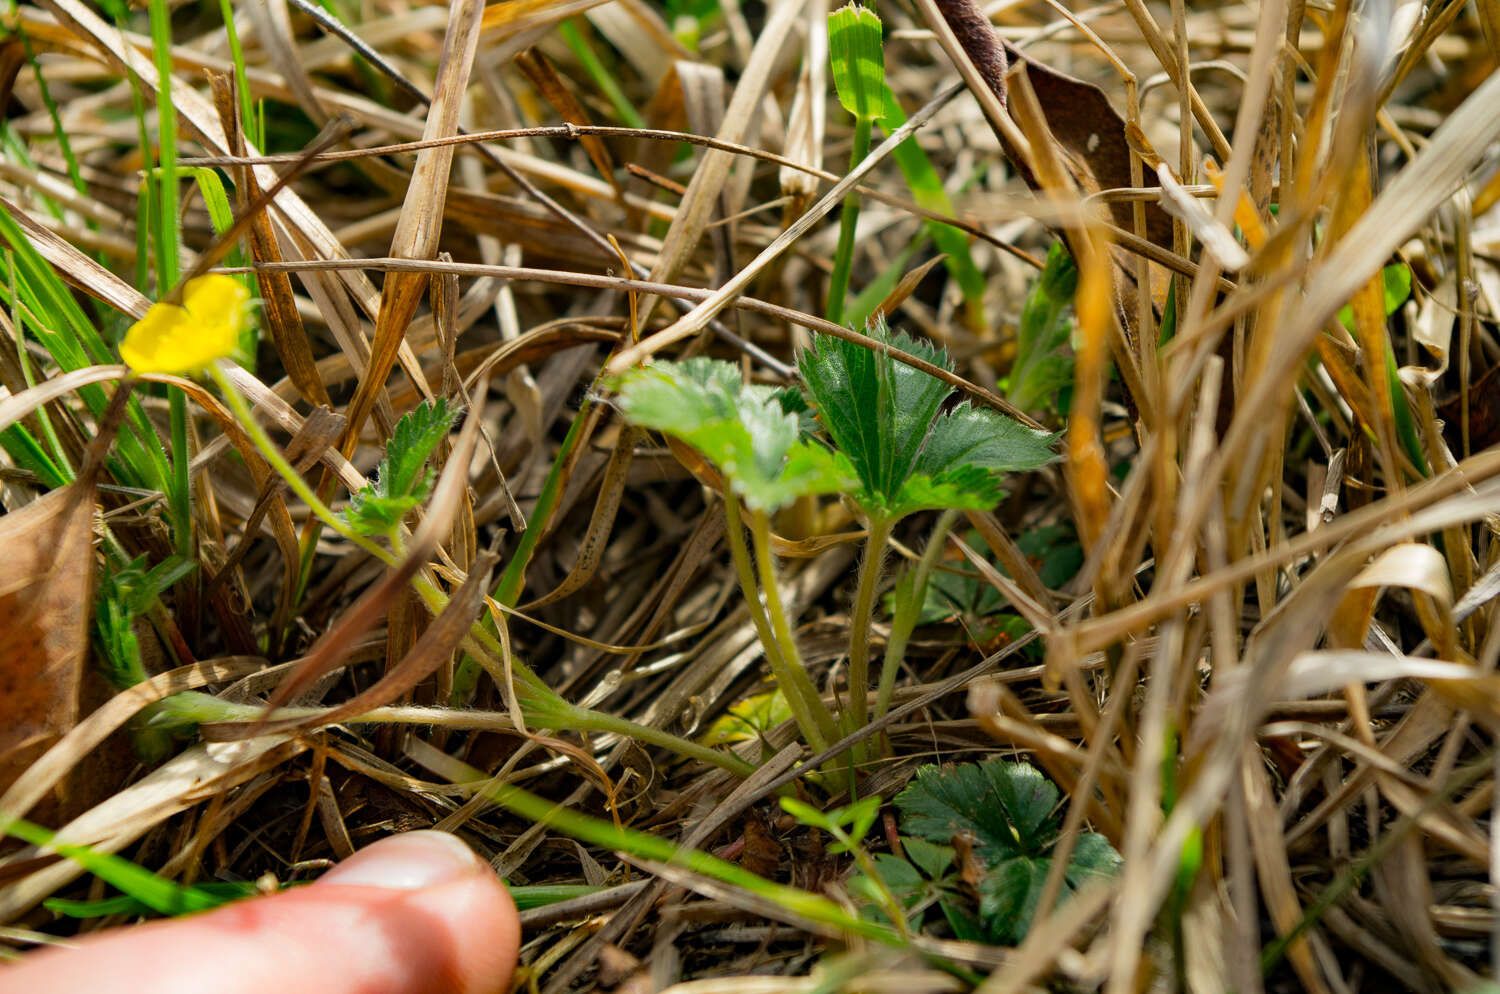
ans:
x=1044 y=364
x=1006 y=807
x=743 y=430
x=927 y=190
x=125 y=904
x=403 y=478
x=883 y=417
x=412 y=442
x=1008 y=810
x=878 y=411
x=124 y=594
x=858 y=61
x=806 y=814
x=1093 y=856
x=1009 y=893
x=933 y=860
x=967 y=488
x=902 y=879
x=975 y=438
x=749 y=719
x=1056 y=549
x=1008 y=897
x=859 y=817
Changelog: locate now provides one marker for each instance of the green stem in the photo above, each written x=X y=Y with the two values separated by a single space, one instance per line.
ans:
x=908 y=613
x=802 y=708
x=508 y=588
x=859 y=622
x=180 y=497
x=820 y=729
x=843 y=256
x=600 y=721
x=286 y=471
x=602 y=833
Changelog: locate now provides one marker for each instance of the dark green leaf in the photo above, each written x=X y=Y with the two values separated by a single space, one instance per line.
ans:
x=1008 y=897
x=1093 y=856
x=877 y=411
x=904 y=882
x=979 y=437
x=1006 y=807
x=883 y=417
x=933 y=860
x=1056 y=551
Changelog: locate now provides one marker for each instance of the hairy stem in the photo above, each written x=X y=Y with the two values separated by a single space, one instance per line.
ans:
x=908 y=612
x=819 y=729
x=802 y=708
x=859 y=621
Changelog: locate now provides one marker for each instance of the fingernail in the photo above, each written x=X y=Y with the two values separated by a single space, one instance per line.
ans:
x=408 y=861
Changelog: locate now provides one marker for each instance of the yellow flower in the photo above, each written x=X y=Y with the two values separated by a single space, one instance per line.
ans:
x=172 y=339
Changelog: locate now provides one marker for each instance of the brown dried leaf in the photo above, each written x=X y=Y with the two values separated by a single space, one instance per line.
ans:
x=45 y=593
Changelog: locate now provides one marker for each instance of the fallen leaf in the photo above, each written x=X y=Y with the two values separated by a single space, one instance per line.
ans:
x=45 y=593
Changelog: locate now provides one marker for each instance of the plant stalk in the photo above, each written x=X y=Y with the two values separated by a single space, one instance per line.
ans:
x=820 y=729
x=843 y=256
x=859 y=622
x=803 y=708
x=908 y=613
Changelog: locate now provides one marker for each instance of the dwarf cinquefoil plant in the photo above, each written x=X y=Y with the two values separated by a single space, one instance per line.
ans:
x=895 y=452
x=754 y=441
x=908 y=455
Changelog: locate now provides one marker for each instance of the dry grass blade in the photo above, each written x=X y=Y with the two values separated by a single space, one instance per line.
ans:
x=421 y=220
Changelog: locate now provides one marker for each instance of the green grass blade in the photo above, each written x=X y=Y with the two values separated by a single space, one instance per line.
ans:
x=157 y=893
x=241 y=83
x=927 y=190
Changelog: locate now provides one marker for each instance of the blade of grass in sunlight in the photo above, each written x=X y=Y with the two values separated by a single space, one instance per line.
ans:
x=858 y=61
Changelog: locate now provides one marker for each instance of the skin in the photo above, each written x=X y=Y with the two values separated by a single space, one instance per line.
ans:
x=416 y=913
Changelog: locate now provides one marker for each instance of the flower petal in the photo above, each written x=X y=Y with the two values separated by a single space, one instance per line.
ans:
x=216 y=298
x=172 y=339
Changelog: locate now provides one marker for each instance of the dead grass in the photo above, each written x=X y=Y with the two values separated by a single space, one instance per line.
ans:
x=1269 y=579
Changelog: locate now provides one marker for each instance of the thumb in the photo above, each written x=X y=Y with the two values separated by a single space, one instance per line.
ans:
x=416 y=913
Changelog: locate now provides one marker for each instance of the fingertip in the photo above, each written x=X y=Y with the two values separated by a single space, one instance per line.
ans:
x=417 y=913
